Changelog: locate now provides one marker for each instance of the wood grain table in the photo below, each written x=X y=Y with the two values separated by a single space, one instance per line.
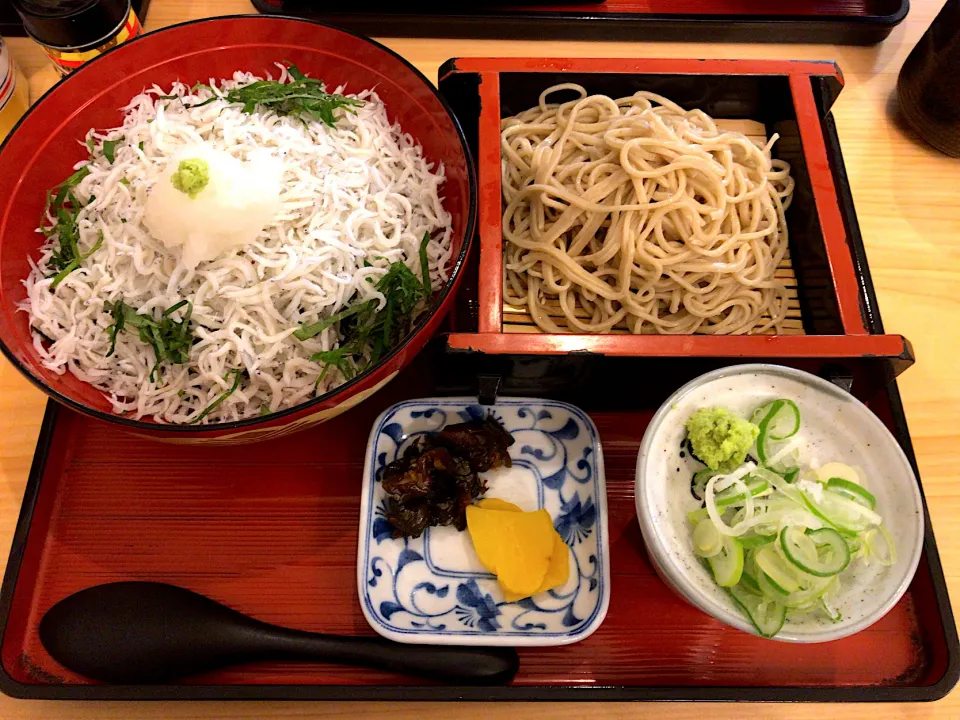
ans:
x=908 y=201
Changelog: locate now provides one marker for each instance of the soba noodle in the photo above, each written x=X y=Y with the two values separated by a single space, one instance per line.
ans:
x=637 y=213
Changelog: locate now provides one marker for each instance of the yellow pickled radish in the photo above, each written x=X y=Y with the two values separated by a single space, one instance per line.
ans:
x=557 y=574
x=485 y=548
x=515 y=546
x=526 y=550
x=559 y=569
x=498 y=504
x=522 y=549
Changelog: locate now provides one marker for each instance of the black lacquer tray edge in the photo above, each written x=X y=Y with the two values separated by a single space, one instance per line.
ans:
x=552 y=25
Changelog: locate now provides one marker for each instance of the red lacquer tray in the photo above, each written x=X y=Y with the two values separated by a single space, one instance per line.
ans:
x=854 y=22
x=271 y=529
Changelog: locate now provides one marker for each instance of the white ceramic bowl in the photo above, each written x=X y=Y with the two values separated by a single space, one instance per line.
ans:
x=836 y=427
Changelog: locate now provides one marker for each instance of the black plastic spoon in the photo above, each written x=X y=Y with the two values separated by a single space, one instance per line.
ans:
x=147 y=632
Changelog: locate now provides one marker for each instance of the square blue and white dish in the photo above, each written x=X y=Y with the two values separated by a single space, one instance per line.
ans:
x=433 y=589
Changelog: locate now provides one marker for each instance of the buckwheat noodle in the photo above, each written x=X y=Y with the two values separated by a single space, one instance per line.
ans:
x=637 y=213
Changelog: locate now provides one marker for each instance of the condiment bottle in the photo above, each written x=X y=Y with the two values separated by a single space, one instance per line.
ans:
x=14 y=95
x=74 y=31
x=929 y=83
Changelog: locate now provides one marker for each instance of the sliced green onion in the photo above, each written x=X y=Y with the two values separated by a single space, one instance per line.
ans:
x=695 y=516
x=724 y=500
x=777 y=570
x=846 y=514
x=790 y=475
x=778 y=420
x=766 y=615
x=852 y=490
x=755 y=486
x=751 y=542
x=698 y=485
x=815 y=510
x=798 y=548
x=789 y=413
x=830 y=611
x=791 y=447
x=822 y=552
x=749 y=582
x=887 y=558
x=769 y=588
x=707 y=542
x=837 y=469
x=727 y=565
x=779 y=483
x=807 y=598
x=732 y=480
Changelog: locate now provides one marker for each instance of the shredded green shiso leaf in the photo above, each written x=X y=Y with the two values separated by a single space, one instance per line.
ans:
x=368 y=331
x=303 y=97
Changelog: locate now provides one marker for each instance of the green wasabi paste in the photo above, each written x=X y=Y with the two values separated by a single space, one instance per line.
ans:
x=719 y=438
x=191 y=177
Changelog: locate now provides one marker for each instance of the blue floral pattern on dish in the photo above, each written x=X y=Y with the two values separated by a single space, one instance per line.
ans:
x=433 y=589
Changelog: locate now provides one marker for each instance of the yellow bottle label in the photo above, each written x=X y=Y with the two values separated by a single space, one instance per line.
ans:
x=13 y=93
x=66 y=61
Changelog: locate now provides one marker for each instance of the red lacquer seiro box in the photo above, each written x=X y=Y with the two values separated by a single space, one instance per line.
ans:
x=825 y=270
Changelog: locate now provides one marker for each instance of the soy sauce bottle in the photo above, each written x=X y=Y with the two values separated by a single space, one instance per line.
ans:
x=74 y=31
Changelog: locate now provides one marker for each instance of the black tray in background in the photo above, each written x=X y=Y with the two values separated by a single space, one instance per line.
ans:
x=495 y=20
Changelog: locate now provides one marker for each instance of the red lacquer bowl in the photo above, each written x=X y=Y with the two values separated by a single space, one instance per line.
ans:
x=44 y=147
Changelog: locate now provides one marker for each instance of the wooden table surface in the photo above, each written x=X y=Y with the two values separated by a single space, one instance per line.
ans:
x=908 y=202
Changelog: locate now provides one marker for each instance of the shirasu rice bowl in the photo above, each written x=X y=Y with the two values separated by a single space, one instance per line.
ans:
x=357 y=198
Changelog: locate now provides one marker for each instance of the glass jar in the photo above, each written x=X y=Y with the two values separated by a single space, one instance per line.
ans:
x=14 y=94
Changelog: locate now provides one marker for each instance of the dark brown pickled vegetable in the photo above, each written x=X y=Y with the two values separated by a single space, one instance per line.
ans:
x=485 y=444
x=436 y=478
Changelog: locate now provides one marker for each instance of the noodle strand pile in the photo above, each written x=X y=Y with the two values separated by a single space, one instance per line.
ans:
x=638 y=214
